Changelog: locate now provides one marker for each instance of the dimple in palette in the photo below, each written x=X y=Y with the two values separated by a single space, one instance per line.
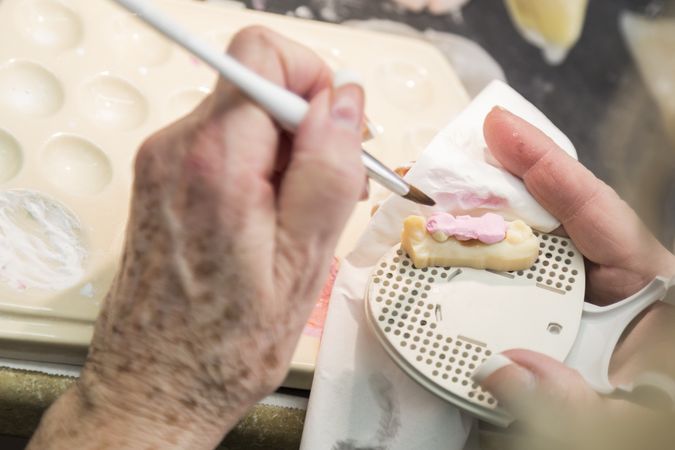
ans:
x=82 y=83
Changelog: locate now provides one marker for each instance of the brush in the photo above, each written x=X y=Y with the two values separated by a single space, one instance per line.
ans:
x=287 y=108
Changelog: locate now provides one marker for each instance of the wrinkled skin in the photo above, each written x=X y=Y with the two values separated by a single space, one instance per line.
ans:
x=232 y=229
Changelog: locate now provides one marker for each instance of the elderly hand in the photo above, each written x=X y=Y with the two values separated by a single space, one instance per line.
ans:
x=232 y=229
x=622 y=257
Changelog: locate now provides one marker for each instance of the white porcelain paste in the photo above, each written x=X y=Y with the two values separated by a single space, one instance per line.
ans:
x=41 y=245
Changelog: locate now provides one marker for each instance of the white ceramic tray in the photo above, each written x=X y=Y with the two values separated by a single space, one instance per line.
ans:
x=82 y=83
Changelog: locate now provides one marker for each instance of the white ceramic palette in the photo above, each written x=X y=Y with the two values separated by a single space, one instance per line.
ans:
x=440 y=324
x=83 y=82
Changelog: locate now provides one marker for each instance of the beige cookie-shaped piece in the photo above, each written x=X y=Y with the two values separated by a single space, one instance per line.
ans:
x=518 y=251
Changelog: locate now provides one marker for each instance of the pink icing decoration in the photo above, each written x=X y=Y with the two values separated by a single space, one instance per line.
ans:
x=469 y=200
x=489 y=228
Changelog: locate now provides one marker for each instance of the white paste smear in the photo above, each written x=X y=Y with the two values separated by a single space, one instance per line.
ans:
x=40 y=242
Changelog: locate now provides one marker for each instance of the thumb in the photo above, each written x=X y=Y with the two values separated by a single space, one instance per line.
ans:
x=534 y=388
x=555 y=402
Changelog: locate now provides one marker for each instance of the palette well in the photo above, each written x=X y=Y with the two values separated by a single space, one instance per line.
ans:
x=82 y=83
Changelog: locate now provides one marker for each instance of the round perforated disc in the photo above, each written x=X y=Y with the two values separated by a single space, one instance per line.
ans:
x=440 y=324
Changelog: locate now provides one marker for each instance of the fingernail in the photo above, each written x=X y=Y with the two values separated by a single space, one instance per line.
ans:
x=347 y=106
x=499 y=108
x=514 y=386
x=490 y=366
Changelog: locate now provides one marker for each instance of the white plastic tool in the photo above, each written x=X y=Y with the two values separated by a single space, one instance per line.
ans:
x=440 y=324
x=600 y=330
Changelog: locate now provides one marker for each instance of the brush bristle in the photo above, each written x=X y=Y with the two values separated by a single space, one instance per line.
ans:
x=418 y=196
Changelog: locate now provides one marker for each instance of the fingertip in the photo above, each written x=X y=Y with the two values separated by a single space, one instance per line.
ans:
x=511 y=384
x=489 y=367
x=347 y=104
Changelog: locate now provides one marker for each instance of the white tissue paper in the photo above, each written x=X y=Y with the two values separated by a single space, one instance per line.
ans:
x=360 y=398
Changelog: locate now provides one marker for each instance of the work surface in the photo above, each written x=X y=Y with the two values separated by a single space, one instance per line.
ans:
x=596 y=97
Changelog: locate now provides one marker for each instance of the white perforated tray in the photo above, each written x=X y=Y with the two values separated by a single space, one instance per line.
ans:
x=439 y=324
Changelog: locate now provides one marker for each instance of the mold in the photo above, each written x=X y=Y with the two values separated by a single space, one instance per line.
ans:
x=48 y=23
x=113 y=103
x=185 y=101
x=11 y=156
x=76 y=165
x=42 y=241
x=28 y=89
x=405 y=84
x=137 y=43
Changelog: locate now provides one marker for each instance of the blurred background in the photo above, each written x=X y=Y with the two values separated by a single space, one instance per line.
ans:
x=601 y=70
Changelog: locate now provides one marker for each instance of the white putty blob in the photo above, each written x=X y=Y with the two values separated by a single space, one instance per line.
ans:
x=41 y=243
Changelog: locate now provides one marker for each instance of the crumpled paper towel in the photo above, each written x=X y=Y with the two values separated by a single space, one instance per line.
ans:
x=360 y=398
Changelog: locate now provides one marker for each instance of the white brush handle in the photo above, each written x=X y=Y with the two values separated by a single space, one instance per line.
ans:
x=287 y=108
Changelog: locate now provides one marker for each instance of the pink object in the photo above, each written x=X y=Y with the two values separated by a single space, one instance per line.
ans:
x=489 y=228
x=467 y=200
x=314 y=326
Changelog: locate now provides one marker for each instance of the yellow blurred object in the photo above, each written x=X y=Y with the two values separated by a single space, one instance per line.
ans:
x=552 y=25
x=652 y=43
